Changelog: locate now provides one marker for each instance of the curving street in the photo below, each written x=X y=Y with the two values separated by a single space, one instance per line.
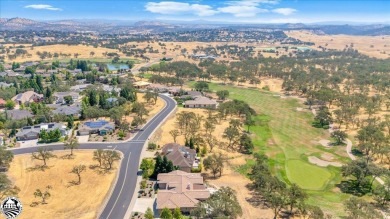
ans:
x=122 y=193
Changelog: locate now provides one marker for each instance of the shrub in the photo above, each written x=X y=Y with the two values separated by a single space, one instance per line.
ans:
x=143 y=184
x=152 y=146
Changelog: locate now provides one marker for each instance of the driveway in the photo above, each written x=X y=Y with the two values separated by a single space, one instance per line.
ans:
x=118 y=201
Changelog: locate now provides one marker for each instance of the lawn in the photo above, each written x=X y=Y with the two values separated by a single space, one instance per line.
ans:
x=307 y=176
x=288 y=138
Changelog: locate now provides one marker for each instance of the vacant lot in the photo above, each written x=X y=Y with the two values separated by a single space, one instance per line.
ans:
x=67 y=200
x=374 y=46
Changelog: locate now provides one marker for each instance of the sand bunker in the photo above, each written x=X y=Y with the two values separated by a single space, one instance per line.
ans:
x=322 y=163
x=324 y=142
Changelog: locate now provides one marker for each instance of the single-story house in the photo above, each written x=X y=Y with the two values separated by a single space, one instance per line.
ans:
x=79 y=87
x=191 y=95
x=160 y=88
x=32 y=132
x=201 y=102
x=4 y=85
x=27 y=97
x=182 y=157
x=18 y=114
x=81 y=81
x=141 y=84
x=74 y=110
x=59 y=96
x=179 y=189
x=109 y=88
x=20 y=69
x=101 y=127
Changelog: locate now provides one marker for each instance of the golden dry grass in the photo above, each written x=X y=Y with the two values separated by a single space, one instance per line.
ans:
x=82 y=50
x=78 y=201
x=153 y=108
x=380 y=49
x=229 y=177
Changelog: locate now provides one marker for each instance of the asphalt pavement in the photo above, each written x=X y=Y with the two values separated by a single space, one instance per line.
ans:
x=124 y=189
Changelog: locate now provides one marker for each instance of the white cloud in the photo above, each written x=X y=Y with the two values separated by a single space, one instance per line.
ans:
x=43 y=7
x=246 y=8
x=179 y=8
x=284 y=11
x=242 y=11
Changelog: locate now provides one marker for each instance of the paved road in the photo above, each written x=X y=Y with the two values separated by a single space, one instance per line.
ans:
x=124 y=189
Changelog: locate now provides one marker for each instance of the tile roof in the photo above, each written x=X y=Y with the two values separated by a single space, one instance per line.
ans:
x=184 y=190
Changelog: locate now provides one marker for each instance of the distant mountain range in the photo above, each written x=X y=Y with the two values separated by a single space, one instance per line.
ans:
x=123 y=26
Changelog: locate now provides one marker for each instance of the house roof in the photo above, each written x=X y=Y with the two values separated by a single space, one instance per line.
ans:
x=36 y=129
x=141 y=83
x=100 y=124
x=67 y=110
x=26 y=96
x=183 y=190
x=17 y=114
x=179 y=155
x=201 y=100
x=2 y=101
x=64 y=94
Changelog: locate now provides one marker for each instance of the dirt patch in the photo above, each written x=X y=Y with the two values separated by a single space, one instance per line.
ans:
x=66 y=201
x=324 y=142
x=250 y=207
x=323 y=163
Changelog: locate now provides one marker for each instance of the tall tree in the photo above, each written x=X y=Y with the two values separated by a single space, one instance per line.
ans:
x=71 y=144
x=43 y=154
x=78 y=169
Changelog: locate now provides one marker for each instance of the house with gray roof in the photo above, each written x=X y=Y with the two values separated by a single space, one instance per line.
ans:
x=201 y=102
x=80 y=87
x=74 y=110
x=59 y=97
x=32 y=132
x=18 y=114
x=101 y=127
x=182 y=157
x=4 y=85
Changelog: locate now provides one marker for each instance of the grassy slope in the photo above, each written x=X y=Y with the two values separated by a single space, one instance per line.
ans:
x=286 y=135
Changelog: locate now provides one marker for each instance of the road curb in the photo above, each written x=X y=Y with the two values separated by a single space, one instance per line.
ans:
x=139 y=179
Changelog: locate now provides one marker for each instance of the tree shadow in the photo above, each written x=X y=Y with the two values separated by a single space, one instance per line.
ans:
x=255 y=199
x=37 y=168
x=72 y=183
x=99 y=170
x=34 y=204
x=67 y=157
x=351 y=187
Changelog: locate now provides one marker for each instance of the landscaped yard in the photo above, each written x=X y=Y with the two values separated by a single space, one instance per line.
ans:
x=287 y=137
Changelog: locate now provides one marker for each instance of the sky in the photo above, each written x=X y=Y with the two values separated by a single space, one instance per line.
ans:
x=245 y=11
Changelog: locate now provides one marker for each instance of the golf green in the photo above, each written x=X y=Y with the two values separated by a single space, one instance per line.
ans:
x=307 y=176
